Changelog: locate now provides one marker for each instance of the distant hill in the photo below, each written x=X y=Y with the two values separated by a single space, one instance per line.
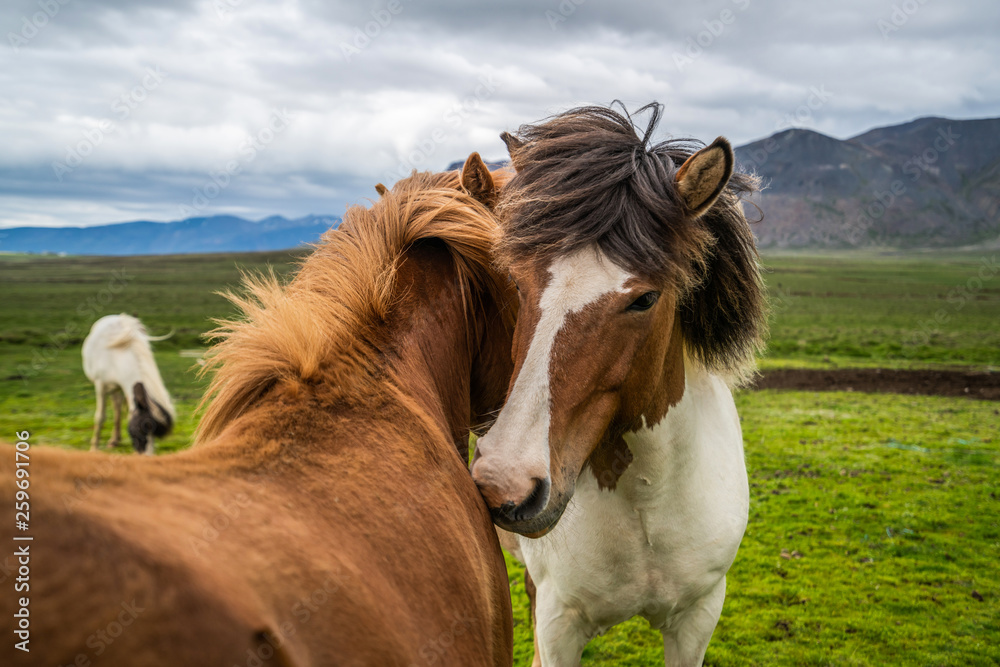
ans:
x=221 y=233
x=932 y=182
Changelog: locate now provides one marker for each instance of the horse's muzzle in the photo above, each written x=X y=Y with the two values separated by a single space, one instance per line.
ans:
x=528 y=509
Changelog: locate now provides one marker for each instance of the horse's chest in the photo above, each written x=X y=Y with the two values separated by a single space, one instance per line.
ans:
x=637 y=551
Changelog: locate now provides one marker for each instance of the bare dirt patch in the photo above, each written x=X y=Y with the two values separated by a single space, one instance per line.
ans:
x=985 y=386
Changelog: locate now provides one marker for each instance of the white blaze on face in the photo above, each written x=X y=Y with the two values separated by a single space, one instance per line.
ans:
x=520 y=437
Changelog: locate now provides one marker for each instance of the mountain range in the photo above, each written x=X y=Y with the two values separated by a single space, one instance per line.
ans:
x=220 y=233
x=932 y=182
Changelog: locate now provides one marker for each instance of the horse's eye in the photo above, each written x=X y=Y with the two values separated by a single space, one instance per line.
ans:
x=644 y=302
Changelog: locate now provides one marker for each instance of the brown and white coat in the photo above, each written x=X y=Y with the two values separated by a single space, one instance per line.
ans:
x=618 y=456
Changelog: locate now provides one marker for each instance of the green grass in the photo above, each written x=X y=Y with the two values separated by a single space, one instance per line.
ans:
x=891 y=312
x=891 y=501
x=46 y=297
x=50 y=303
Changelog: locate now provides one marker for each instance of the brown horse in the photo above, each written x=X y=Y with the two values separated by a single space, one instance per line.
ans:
x=327 y=515
x=619 y=447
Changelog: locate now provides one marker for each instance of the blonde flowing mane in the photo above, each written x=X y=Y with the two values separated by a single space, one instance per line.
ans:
x=319 y=329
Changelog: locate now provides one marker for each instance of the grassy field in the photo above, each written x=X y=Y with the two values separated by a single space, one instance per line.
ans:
x=49 y=304
x=890 y=312
x=886 y=506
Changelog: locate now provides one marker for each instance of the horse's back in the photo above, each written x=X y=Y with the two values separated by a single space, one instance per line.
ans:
x=109 y=351
x=98 y=594
x=191 y=560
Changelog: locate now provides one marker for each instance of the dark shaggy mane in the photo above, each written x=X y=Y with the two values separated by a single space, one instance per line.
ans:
x=587 y=176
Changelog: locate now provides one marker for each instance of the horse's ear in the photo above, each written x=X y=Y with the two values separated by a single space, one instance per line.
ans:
x=477 y=179
x=513 y=146
x=141 y=399
x=512 y=142
x=381 y=189
x=724 y=318
x=704 y=175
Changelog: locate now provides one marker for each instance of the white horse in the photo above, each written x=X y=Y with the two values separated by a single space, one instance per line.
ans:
x=618 y=457
x=117 y=358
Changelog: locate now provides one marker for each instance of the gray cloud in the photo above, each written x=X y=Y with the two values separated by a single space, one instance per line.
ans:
x=163 y=95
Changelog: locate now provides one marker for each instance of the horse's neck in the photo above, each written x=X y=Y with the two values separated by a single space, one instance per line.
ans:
x=156 y=389
x=700 y=429
x=144 y=370
x=432 y=345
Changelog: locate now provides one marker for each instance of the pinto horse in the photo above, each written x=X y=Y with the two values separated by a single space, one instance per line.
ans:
x=326 y=515
x=619 y=448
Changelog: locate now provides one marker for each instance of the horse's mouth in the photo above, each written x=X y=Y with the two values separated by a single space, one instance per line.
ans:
x=536 y=526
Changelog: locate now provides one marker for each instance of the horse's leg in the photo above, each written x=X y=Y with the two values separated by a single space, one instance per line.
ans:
x=684 y=643
x=150 y=446
x=98 y=415
x=116 y=424
x=529 y=588
x=560 y=634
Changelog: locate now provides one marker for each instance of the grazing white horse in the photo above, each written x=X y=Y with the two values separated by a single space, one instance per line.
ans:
x=117 y=358
x=618 y=456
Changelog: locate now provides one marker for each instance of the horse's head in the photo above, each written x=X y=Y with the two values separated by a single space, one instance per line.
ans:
x=149 y=419
x=418 y=261
x=461 y=206
x=622 y=254
x=495 y=315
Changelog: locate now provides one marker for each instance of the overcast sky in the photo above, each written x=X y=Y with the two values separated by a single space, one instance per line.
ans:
x=117 y=110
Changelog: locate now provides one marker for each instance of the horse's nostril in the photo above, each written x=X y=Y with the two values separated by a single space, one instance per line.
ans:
x=530 y=507
x=536 y=502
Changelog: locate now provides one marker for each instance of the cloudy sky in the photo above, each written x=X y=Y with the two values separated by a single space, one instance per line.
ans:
x=117 y=110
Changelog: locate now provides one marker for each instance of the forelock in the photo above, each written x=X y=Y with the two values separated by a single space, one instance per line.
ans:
x=587 y=176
